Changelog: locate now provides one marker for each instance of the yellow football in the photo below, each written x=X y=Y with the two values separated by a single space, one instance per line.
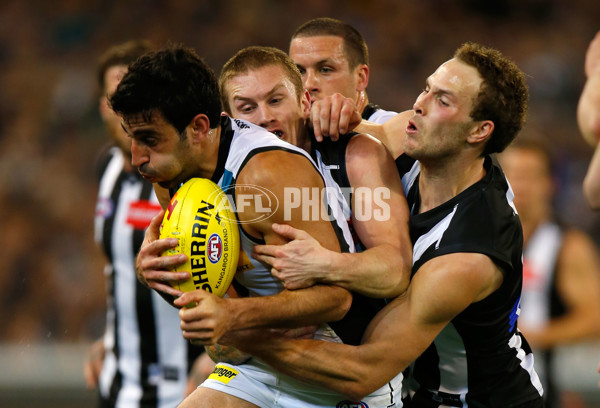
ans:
x=201 y=218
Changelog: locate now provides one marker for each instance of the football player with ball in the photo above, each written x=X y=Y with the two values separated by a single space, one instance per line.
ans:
x=169 y=103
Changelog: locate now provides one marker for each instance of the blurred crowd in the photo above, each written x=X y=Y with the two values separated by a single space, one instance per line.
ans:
x=51 y=282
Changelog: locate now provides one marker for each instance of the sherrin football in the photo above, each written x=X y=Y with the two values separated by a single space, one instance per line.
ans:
x=200 y=217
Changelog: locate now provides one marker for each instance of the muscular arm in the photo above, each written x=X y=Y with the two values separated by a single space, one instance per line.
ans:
x=588 y=119
x=276 y=171
x=578 y=284
x=591 y=182
x=441 y=289
x=391 y=133
x=383 y=269
x=380 y=218
x=588 y=109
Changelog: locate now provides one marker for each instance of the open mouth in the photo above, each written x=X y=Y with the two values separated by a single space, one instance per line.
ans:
x=277 y=133
x=411 y=127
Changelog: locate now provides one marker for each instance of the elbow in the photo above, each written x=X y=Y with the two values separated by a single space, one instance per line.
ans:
x=356 y=392
x=402 y=270
x=406 y=270
x=342 y=306
x=356 y=387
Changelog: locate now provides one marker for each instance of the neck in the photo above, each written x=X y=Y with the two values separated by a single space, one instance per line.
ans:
x=304 y=140
x=362 y=100
x=443 y=181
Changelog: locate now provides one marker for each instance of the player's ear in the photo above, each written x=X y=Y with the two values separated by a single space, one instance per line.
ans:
x=481 y=131
x=305 y=103
x=362 y=72
x=105 y=110
x=199 y=126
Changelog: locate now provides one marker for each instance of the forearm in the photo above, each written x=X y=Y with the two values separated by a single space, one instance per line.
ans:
x=567 y=329
x=341 y=368
x=226 y=354
x=377 y=272
x=374 y=129
x=588 y=109
x=291 y=308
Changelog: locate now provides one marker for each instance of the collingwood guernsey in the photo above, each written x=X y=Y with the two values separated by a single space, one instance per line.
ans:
x=146 y=359
x=480 y=359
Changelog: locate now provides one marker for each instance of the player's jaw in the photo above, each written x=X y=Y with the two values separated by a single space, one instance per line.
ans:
x=277 y=130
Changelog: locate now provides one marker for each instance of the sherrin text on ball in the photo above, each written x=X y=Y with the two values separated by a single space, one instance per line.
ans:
x=200 y=217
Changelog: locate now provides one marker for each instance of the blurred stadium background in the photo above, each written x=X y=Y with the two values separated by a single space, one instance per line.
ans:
x=51 y=284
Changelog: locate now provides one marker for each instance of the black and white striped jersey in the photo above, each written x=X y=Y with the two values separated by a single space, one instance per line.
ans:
x=480 y=359
x=540 y=300
x=147 y=359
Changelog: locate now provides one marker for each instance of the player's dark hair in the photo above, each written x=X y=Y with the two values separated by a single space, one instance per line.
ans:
x=256 y=57
x=355 y=46
x=120 y=54
x=173 y=81
x=503 y=94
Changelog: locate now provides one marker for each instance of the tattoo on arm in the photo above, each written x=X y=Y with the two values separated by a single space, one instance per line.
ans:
x=226 y=354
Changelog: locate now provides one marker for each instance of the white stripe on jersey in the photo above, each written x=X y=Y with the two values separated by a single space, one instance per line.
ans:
x=434 y=235
x=510 y=196
x=540 y=262
x=526 y=361
x=172 y=350
x=107 y=184
x=452 y=361
x=125 y=281
x=381 y=116
x=340 y=208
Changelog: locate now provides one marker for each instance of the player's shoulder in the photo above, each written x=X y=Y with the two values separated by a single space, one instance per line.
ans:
x=364 y=144
x=276 y=166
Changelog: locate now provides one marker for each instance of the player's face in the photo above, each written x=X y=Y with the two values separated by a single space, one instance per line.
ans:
x=442 y=121
x=267 y=98
x=158 y=152
x=528 y=172
x=112 y=77
x=324 y=67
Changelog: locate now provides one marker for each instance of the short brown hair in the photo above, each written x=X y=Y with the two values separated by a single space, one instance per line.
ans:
x=120 y=54
x=355 y=46
x=255 y=57
x=503 y=94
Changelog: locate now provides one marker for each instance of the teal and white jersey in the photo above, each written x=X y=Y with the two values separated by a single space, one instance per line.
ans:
x=240 y=141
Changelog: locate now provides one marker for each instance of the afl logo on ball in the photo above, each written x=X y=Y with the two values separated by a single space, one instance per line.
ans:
x=214 y=248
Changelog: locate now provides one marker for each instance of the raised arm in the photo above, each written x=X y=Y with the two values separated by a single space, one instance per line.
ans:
x=588 y=119
x=276 y=171
x=441 y=289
